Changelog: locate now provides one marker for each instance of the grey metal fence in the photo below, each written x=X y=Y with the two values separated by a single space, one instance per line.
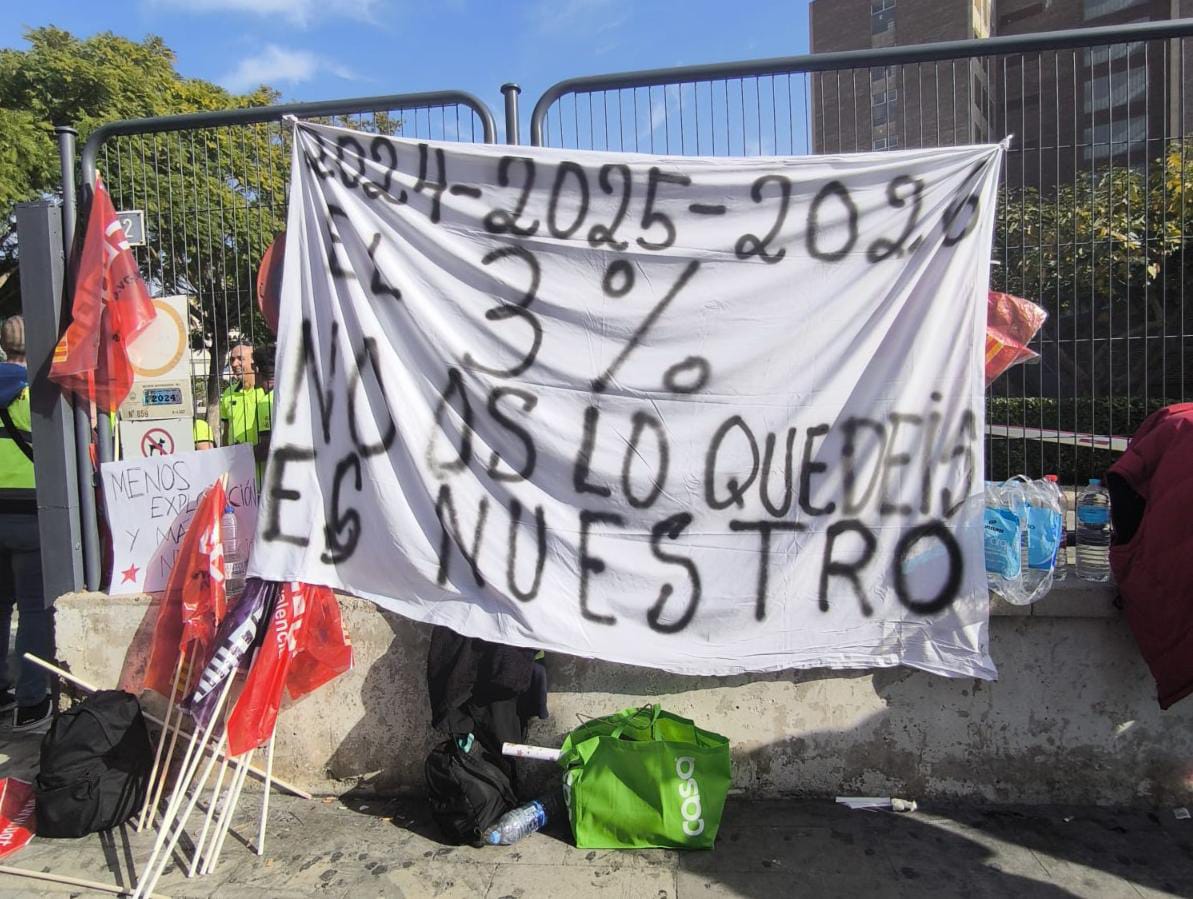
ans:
x=1096 y=210
x=212 y=189
x=213 y=193
x=1095 y=220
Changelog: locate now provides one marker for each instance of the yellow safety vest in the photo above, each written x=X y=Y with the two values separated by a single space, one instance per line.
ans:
x=265 y=413
x=16 y=469
x=203 y=432
x=241 y=409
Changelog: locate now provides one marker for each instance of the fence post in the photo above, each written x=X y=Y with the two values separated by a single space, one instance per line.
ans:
x=512 y=132
x=83 y=478
x=39 y=229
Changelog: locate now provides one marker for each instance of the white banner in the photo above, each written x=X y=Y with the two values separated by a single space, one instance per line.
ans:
x=707 y=415
x=150 y=503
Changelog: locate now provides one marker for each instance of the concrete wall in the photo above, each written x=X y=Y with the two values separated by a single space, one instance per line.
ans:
x=1073 y=717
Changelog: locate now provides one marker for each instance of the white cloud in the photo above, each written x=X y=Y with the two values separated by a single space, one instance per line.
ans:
x=581 y=16
x=298 y=12
x=274 y=65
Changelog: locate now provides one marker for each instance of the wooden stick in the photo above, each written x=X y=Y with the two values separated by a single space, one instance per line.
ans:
x=88 y=688
x=153 y=794
x=157 y=865
x=217 y=844
x=237 y=777
x=161 y=784
x=180 y=788
x=219 y=782
x=190 y=764
x=71 y=881
x=265 y=795
x=161 y=740
x=215 y=797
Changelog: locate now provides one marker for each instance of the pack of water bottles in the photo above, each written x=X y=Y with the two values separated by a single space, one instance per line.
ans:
x=1025 y=537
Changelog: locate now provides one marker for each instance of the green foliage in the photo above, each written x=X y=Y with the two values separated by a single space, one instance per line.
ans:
x=1099 y=234
x=1105 y=255
x=1103 y=415
x=62 y=79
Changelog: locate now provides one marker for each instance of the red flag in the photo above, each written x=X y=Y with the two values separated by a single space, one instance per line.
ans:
x=1011 y=323
x=269 y=281
x=111 y=307
x=194 y=600
x=304 y=648
x=204 y=599
x=324 y=650
x=17 y=826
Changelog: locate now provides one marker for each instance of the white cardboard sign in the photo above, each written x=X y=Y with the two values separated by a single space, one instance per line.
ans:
x=150 y=502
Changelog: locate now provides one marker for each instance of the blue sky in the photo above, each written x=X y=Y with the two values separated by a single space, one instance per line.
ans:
x=323 y=49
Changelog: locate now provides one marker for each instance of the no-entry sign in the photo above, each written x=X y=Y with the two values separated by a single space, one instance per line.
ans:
x=165 y=437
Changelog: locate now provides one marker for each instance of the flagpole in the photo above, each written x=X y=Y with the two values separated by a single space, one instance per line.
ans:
x=91 y=688
x=225 y=824
x=88 y=520
x=150 y=878
x=162 y=847
x=70 y=881
x=161 y=783
x=161 y=740
x=190 y=760
x=219 y=782
x=265 y=795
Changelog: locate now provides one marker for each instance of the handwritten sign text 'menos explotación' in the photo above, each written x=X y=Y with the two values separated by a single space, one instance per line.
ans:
x=707 y=415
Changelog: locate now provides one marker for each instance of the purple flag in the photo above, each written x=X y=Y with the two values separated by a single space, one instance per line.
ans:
x=237 y=633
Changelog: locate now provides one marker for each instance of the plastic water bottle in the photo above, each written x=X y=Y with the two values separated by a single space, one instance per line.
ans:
x=1041 y=535
x=235 y=561
x=517 y=823
x=1093 y=532
x=1060 y=569
x=1037 y=577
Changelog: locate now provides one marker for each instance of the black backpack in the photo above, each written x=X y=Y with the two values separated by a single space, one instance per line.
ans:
x=468 y=790
x=95 y=763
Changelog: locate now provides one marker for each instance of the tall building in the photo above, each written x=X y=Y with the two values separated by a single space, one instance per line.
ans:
x=1069 y=110
x=887 y=107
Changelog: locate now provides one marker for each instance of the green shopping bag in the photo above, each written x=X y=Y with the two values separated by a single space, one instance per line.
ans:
x=644 y=778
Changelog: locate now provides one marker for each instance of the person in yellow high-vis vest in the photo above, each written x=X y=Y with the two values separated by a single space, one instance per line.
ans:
x=204 y=438
x=263 y=360
x=240 y=403
x=20 y=551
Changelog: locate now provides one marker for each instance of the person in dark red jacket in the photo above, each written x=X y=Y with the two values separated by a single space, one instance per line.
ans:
x=1151 y=492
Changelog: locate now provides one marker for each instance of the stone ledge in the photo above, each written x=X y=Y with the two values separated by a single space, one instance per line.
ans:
x=1072 y=716
x=1071 y=598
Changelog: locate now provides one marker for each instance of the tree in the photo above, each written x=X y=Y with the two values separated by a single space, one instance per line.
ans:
x=61 y=79
x=212 y=199
x=1110 y=256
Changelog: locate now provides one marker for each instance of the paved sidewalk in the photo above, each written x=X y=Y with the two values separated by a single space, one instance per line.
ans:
x=367 y=847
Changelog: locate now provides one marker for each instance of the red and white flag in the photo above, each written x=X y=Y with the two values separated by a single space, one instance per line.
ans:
x=304 y=647
x=111 y=307
x=17 y=824
x=195 y=600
